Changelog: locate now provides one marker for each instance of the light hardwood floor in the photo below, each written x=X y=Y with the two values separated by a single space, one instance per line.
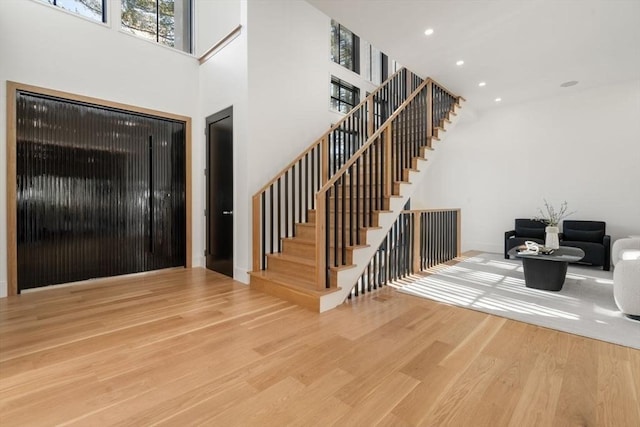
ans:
x=190 y=347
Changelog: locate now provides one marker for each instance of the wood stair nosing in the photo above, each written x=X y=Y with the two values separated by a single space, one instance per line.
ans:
x=307 y=231
x=375 y=216
x=307 y=249
x=303 y=293
x=290 y=265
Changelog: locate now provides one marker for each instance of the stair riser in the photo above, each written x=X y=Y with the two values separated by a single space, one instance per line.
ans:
x=373 y=220
x=350 y=205
x=303 y=250
x=275 y=289
x=309 y=233
x=288 y=267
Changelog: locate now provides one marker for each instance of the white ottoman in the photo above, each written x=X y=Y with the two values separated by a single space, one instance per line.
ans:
x=625 y=255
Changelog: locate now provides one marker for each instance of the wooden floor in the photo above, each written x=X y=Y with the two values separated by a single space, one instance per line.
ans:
x=190 y=347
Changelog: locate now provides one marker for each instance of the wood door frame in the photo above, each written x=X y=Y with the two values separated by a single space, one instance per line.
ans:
x=210 y=119
x=11 y=198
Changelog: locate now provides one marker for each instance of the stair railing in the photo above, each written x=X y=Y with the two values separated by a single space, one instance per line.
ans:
x=417 y=241
x=286 y=199
x=370 y=174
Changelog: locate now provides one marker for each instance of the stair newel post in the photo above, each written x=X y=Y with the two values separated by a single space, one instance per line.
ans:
x=417 y=232
x=324 y=163
x=429 y=112
x=256 y=233
x=388 y=162
x=321 y=240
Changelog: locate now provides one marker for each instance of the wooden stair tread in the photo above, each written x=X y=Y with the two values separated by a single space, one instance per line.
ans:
x=313 y=224
x=293 y=258
x=307 y=286
x=309 y=242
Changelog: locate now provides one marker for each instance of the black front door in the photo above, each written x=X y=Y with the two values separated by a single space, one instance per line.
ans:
x=219 y=251
x=100 y=191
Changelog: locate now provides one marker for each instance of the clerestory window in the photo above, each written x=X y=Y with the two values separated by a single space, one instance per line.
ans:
x=93 y=9
x=345 y=47
x=167 y=22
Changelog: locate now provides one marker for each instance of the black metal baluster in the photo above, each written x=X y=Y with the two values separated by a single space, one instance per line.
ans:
x=286 y=206
x=335 y=224
x=263 y=255
x=344 y=220
x=271 y=216
x=300 y=191
x=358 y=199
x=279 y=217
x=327 y=238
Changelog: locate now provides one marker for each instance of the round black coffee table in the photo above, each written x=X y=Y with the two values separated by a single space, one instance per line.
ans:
x=547 y=272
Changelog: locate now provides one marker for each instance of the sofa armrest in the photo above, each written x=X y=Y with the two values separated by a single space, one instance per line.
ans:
x=606 y=241
x=622 y=244
x=507 y=235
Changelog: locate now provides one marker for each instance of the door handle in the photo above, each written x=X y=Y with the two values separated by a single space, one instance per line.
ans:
x=227 y=212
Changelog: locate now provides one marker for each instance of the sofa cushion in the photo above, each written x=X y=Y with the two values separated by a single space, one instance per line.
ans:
x=593 y=252
x=595 y=236
x=536 y=233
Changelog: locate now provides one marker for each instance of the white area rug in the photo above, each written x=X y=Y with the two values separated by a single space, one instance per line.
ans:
x=492 y=284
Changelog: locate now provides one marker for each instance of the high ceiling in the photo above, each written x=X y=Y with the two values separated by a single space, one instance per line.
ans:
x=522 y=49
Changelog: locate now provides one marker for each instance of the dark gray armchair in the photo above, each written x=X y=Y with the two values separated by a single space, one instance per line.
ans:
x=525 y=229
x=591 y=237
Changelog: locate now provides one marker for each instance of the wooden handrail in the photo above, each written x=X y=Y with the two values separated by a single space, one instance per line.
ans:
x=325 y=135
x=430 y=210
x=371 y=140
x=220 y=44
x=448 y=91
x=385 y=128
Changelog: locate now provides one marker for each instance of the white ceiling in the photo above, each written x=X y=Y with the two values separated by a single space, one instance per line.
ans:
x=522 y=49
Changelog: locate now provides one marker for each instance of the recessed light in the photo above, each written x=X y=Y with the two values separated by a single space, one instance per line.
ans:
x=428 y=31
x=498 y=99
x=482 y=84
x=460 y=62
x=569 y=84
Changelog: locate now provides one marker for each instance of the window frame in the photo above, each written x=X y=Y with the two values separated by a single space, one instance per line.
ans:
x=156 y=37
x=103 y=20
x=336 y=32
x=341 y=84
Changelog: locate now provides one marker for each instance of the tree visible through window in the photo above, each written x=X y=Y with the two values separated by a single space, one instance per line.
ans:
x=345 y=47
x=92 y=9
x=167 y=22
x=343 y=95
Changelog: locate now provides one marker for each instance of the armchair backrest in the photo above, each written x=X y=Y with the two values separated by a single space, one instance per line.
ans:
x=530 y=228
x=584 y=231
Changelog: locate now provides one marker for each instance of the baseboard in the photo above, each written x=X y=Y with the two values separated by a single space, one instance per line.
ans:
x=483 y=247
x=3 y=289
x=241 y=275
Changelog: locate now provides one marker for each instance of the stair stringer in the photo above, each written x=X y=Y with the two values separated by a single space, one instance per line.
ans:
x=347 y=278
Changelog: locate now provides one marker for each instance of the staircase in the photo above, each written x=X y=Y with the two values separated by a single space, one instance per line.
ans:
x=318 y=223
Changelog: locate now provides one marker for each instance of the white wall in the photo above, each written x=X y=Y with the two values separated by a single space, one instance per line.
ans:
x=289 y=73
x=44 y=46
x=224 y=83
x=214 y=20
x=583 y=147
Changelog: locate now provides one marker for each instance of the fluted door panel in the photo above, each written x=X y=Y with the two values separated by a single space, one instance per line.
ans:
x=100 y=191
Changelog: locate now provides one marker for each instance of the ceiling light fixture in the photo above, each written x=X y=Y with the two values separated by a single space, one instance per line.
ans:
x=428 y=31
x=482 y=84
x=569 y=83
x=498 y=99
x=459 y=63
